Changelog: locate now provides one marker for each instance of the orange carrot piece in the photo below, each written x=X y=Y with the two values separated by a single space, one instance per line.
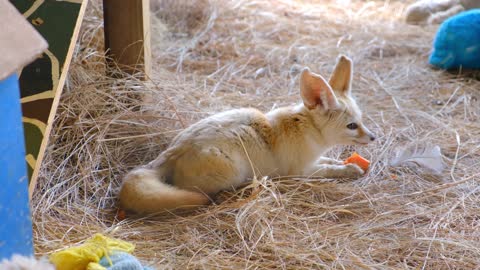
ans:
x=121 y=214
x=359 y=160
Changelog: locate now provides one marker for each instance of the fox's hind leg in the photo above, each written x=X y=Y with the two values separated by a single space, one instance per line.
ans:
x=210 y=169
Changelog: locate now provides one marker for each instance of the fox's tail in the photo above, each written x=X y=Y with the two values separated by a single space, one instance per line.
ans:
x=144 y=192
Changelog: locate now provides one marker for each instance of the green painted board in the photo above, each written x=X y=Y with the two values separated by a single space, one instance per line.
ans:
x=42 y=81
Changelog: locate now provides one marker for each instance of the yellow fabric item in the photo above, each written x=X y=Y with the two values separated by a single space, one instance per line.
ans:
x=95 y=266
x=87 y=255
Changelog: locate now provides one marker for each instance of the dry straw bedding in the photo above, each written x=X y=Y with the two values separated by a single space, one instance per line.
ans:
x=211 y=56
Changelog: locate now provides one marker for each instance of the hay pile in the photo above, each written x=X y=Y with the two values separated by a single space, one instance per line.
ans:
x=211 y=56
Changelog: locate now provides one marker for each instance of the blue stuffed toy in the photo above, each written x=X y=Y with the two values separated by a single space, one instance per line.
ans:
x=122 y=261
x=457 y=43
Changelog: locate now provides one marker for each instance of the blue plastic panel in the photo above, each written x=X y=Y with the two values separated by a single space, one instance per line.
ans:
x=15 y=221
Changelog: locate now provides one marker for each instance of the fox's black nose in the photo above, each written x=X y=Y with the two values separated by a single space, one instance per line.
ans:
x=372 y=138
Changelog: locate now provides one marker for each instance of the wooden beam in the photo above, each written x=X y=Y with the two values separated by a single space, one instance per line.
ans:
x=127 y=34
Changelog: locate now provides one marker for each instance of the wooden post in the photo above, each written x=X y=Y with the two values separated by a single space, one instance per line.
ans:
x=127 y=34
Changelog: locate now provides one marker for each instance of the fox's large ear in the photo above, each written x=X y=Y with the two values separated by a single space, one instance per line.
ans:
x=341 y=79
x=315 y=91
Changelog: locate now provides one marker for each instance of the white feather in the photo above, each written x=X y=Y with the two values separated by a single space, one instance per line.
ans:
x=428 y=156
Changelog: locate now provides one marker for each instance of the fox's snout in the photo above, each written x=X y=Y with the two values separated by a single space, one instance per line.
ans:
x=369 y=134
x=365 y=136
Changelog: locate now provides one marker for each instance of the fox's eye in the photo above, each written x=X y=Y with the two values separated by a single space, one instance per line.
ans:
x=352 y=126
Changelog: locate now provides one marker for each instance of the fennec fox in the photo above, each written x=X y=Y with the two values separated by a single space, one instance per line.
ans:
x=228 y=148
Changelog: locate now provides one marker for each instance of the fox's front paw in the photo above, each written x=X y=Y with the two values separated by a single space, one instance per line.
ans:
x=330 y=161
x=352 y=170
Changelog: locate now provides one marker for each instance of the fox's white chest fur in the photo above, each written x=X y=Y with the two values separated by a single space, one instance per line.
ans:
x=227 y=149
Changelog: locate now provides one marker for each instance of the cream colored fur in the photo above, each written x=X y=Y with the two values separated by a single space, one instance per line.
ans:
x=225 y=150
x=20 y=262
x=436 y=11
